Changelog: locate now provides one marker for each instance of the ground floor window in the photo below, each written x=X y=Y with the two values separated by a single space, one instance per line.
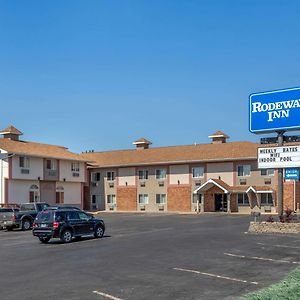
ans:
x=34 y=193
x=111 y=199
x=242 y=199
x=161 y=198
x=196 y=198
x=266 y=199
x=60 y=195
x=143 y=199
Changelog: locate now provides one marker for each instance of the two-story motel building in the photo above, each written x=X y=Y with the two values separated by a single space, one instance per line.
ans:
x=35 y=172
x=219 y=176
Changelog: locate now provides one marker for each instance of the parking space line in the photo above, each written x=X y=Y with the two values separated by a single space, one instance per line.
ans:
x=279 y=246
x=214 y=275
x=106 y=295
x=262 y=258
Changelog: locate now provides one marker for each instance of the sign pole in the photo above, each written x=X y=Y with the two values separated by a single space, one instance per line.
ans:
x=280 y=177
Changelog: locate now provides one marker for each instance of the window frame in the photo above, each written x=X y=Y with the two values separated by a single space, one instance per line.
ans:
x=110 y=178
x=144 y=197
x=145 y=174
x=267 y=172
x=268 y=203
x=75 y=166
x=196 y=177
x=243 y=166
x=25 y=162
x=158 y=177
x=244 y=202
x=112 y=196
x=160 y=197
x=53 y=164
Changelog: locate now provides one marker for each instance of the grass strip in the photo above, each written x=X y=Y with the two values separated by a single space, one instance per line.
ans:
x=288 y=288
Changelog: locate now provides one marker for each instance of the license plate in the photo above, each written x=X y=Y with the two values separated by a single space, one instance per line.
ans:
x=43 y=225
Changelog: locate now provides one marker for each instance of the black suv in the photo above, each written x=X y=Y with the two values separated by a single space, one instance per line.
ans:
x=66 y=224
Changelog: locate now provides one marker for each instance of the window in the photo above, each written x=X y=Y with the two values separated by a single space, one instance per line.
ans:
x=73 y=215
x=96 y=199
x=160 y=174
x=198 y=172
x=143 y=199
x=143 y=174
x=111 y=199
x=196 y=198
x=83 y=216
x=244 y=170
x=24 y=162
x=267 y=172
x=51 y=164
x=75 y=167
x=161 y=198
x=266 y=199
x=242 y=199
x=110 y=175
x=95 y=176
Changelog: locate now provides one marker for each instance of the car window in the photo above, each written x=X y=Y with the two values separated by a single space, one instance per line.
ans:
x=27 y=207
x=83 y=216
x=6 y=209
x=42 y=206
x=60 y=216
x=45 y=216
x=73 y=215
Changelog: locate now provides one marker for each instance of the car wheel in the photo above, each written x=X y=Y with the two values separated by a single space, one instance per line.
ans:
x=26 y=224
x=44 y=240
x=99 y=232
x=66 y=236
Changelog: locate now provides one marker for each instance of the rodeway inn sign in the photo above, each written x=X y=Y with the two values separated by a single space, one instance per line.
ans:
x=274 y=110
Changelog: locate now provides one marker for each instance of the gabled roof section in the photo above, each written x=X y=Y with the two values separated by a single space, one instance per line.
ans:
x=213 y=182
x=38 y=150
x=231 y=151
x=11 y=130
x=260 y=189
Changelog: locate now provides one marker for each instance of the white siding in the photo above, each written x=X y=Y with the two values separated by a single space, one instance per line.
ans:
x=222 y=170
x=18 y=190
x=3 y=174
x=72 y=192
x=65 y=171
x=127 y=175
x=179 y=173
x=35 y=170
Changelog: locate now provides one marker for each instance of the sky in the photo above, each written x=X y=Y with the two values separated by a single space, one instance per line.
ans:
x=100 y=74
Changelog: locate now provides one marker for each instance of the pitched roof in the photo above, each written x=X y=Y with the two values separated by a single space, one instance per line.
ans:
x=176 y=154
x=38 y=149
x=11 y=130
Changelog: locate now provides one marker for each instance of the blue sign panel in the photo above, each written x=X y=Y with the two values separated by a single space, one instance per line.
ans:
x=275 y=110
x=291 y=173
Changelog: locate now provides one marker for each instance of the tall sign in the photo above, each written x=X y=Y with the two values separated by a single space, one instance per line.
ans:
x=274 y=111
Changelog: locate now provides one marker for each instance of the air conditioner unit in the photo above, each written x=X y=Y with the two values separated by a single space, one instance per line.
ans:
x=142 y=207
x=268 y=180
x=161 y=207
x=198 y=183
x=111 y=184
x=161 y=183
x=142 y=183
x=94 y=184
x=243 y=181
x=75 y=174
x=24 y=171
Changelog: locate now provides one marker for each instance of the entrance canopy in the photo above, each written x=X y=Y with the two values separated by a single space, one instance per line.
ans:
x=227 y=189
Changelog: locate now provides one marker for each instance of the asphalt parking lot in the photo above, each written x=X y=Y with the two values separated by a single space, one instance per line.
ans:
x=151 y=256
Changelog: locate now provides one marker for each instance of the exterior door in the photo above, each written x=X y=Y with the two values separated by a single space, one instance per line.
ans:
x=220 y=202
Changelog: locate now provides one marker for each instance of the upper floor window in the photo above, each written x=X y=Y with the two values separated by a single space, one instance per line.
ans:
x=111 y=199
x=267 y=172
x=244 y=170
x=143 y=174
x=24 y=162
x=51 y=164
x=75 y=167
x=160 y=173
x=110 y=175
x=95 y=176
x=198 y=172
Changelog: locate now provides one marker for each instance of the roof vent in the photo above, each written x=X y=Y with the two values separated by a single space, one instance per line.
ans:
x=218 y=137
x=141 y=144
x=11 y=132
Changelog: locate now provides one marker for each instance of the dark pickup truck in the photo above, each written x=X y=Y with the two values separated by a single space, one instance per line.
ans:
x=25 y=216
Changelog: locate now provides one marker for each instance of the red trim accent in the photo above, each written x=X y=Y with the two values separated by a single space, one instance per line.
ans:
x=10 y=167
x=5 y=191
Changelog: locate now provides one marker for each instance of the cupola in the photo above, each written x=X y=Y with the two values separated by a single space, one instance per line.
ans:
x=218 y=137
x=141 y=144
x=11 y=133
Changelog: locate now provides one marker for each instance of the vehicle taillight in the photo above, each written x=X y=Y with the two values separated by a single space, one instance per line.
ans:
x=55 y=225
x=34 y=225
x=13 y=217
